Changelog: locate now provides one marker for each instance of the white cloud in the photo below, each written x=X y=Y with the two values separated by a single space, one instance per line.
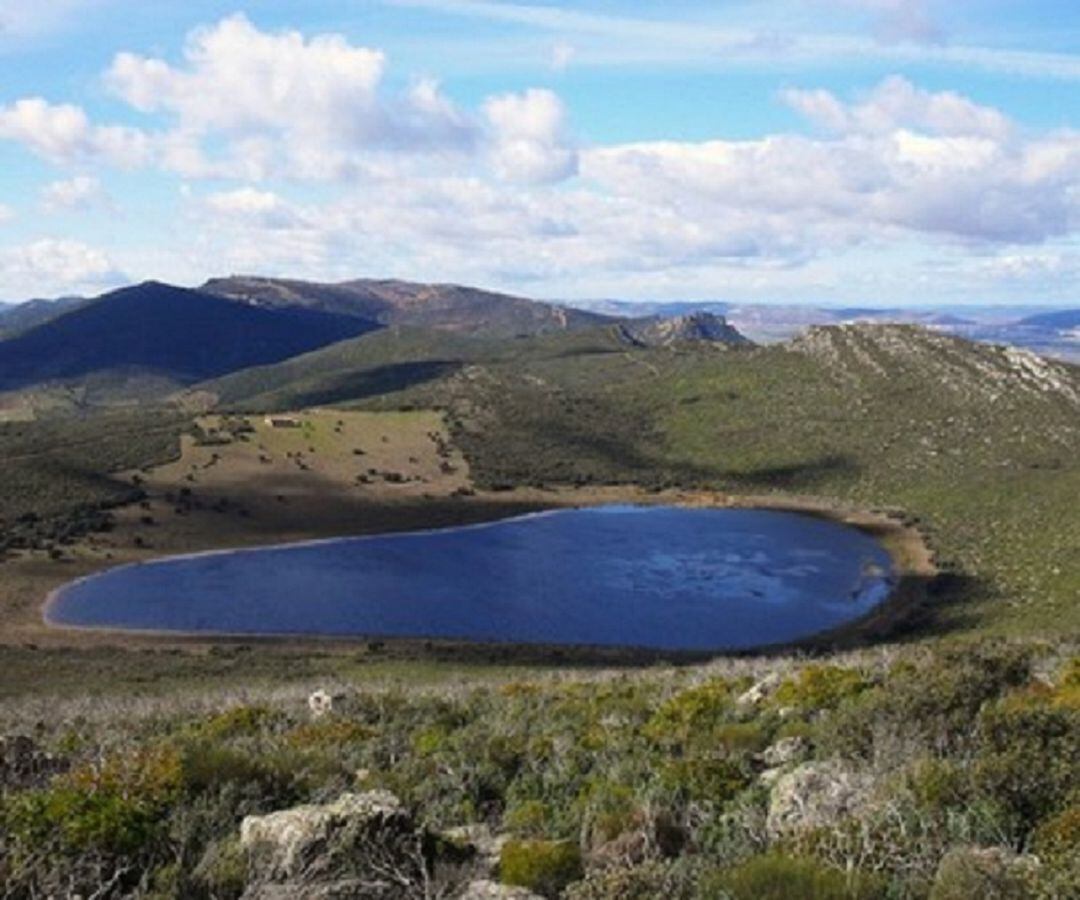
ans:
x=529 y=137
x=665 y=213
x=83 y=192
x=51 y=266
x=63 y=134
x=6 y=213
x=301 y=107
x=253 y=207
x=897 y=103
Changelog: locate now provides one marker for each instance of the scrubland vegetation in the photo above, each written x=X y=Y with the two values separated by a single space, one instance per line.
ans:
x=899 y=773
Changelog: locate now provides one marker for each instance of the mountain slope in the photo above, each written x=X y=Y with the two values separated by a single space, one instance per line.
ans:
x=19 y=317
x=167 y=331
x=447 y=307
x=1062 y=320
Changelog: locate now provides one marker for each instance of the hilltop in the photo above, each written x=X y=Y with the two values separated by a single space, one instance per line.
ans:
x=446 y=307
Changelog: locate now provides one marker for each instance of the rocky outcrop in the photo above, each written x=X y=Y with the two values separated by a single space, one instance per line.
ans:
x=697 y=327
x=361 y=845
x=815 y=794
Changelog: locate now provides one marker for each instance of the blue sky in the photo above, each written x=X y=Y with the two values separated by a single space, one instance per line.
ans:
x=847 y=151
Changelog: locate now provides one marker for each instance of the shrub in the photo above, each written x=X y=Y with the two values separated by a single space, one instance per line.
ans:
x=240 y=721
x=1057 y=844
x=776 y=877
x=116 y=807
x=820 y=687
x=223 y=870
x=691 y=715
x=545 y=867
x=973 y=872
x=1027 y=758
x=670 y=881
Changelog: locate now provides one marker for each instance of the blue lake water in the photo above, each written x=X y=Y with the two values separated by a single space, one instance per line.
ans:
x=660 y=577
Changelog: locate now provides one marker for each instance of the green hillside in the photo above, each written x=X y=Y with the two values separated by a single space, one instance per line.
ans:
x=979 y=443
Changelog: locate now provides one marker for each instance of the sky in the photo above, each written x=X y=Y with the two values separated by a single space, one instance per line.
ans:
x=870 y=152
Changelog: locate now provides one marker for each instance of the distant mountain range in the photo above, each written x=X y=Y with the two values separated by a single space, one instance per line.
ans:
x=154 y=338
x=1052 y=333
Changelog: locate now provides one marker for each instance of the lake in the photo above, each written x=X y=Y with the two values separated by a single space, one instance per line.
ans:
x=661 y=577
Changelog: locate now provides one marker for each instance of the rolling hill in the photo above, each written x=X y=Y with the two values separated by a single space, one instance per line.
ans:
x=165 y=332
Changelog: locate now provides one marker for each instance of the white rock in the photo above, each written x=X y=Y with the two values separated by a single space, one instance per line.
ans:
x=760 y=691
x=321 y=704
x=815 y=794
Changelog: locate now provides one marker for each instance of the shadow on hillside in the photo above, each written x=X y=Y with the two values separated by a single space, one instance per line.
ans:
x=796 y=475
x=375 y=381
x=920 y=607
x=621 y=453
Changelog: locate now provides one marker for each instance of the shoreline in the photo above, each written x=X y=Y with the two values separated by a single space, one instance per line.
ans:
x=911 y=558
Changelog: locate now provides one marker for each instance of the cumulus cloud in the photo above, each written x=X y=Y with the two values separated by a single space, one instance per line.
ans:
x=250 y=206
x=62 y=133
x=316 y=102
x=897 y=103
x=53 y=266
x=81 y=193
x=530 y=142
x=659 y=216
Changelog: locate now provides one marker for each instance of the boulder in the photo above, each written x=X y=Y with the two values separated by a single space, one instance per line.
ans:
x=815 y=794
x=365 y=844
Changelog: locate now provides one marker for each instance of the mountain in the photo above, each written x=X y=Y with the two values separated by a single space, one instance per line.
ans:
x=165 y=331
x=979 y=373
x=18 y=317
x=1062 y=320
x=446 y=307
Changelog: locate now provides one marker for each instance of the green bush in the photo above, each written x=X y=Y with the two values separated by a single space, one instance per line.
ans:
x=545 y=867
x=776 y=877
x=820 y=687
x=223 y=870
x=116 y=807
x=691 y=715
x=1057 y=844
x=1027 y=758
